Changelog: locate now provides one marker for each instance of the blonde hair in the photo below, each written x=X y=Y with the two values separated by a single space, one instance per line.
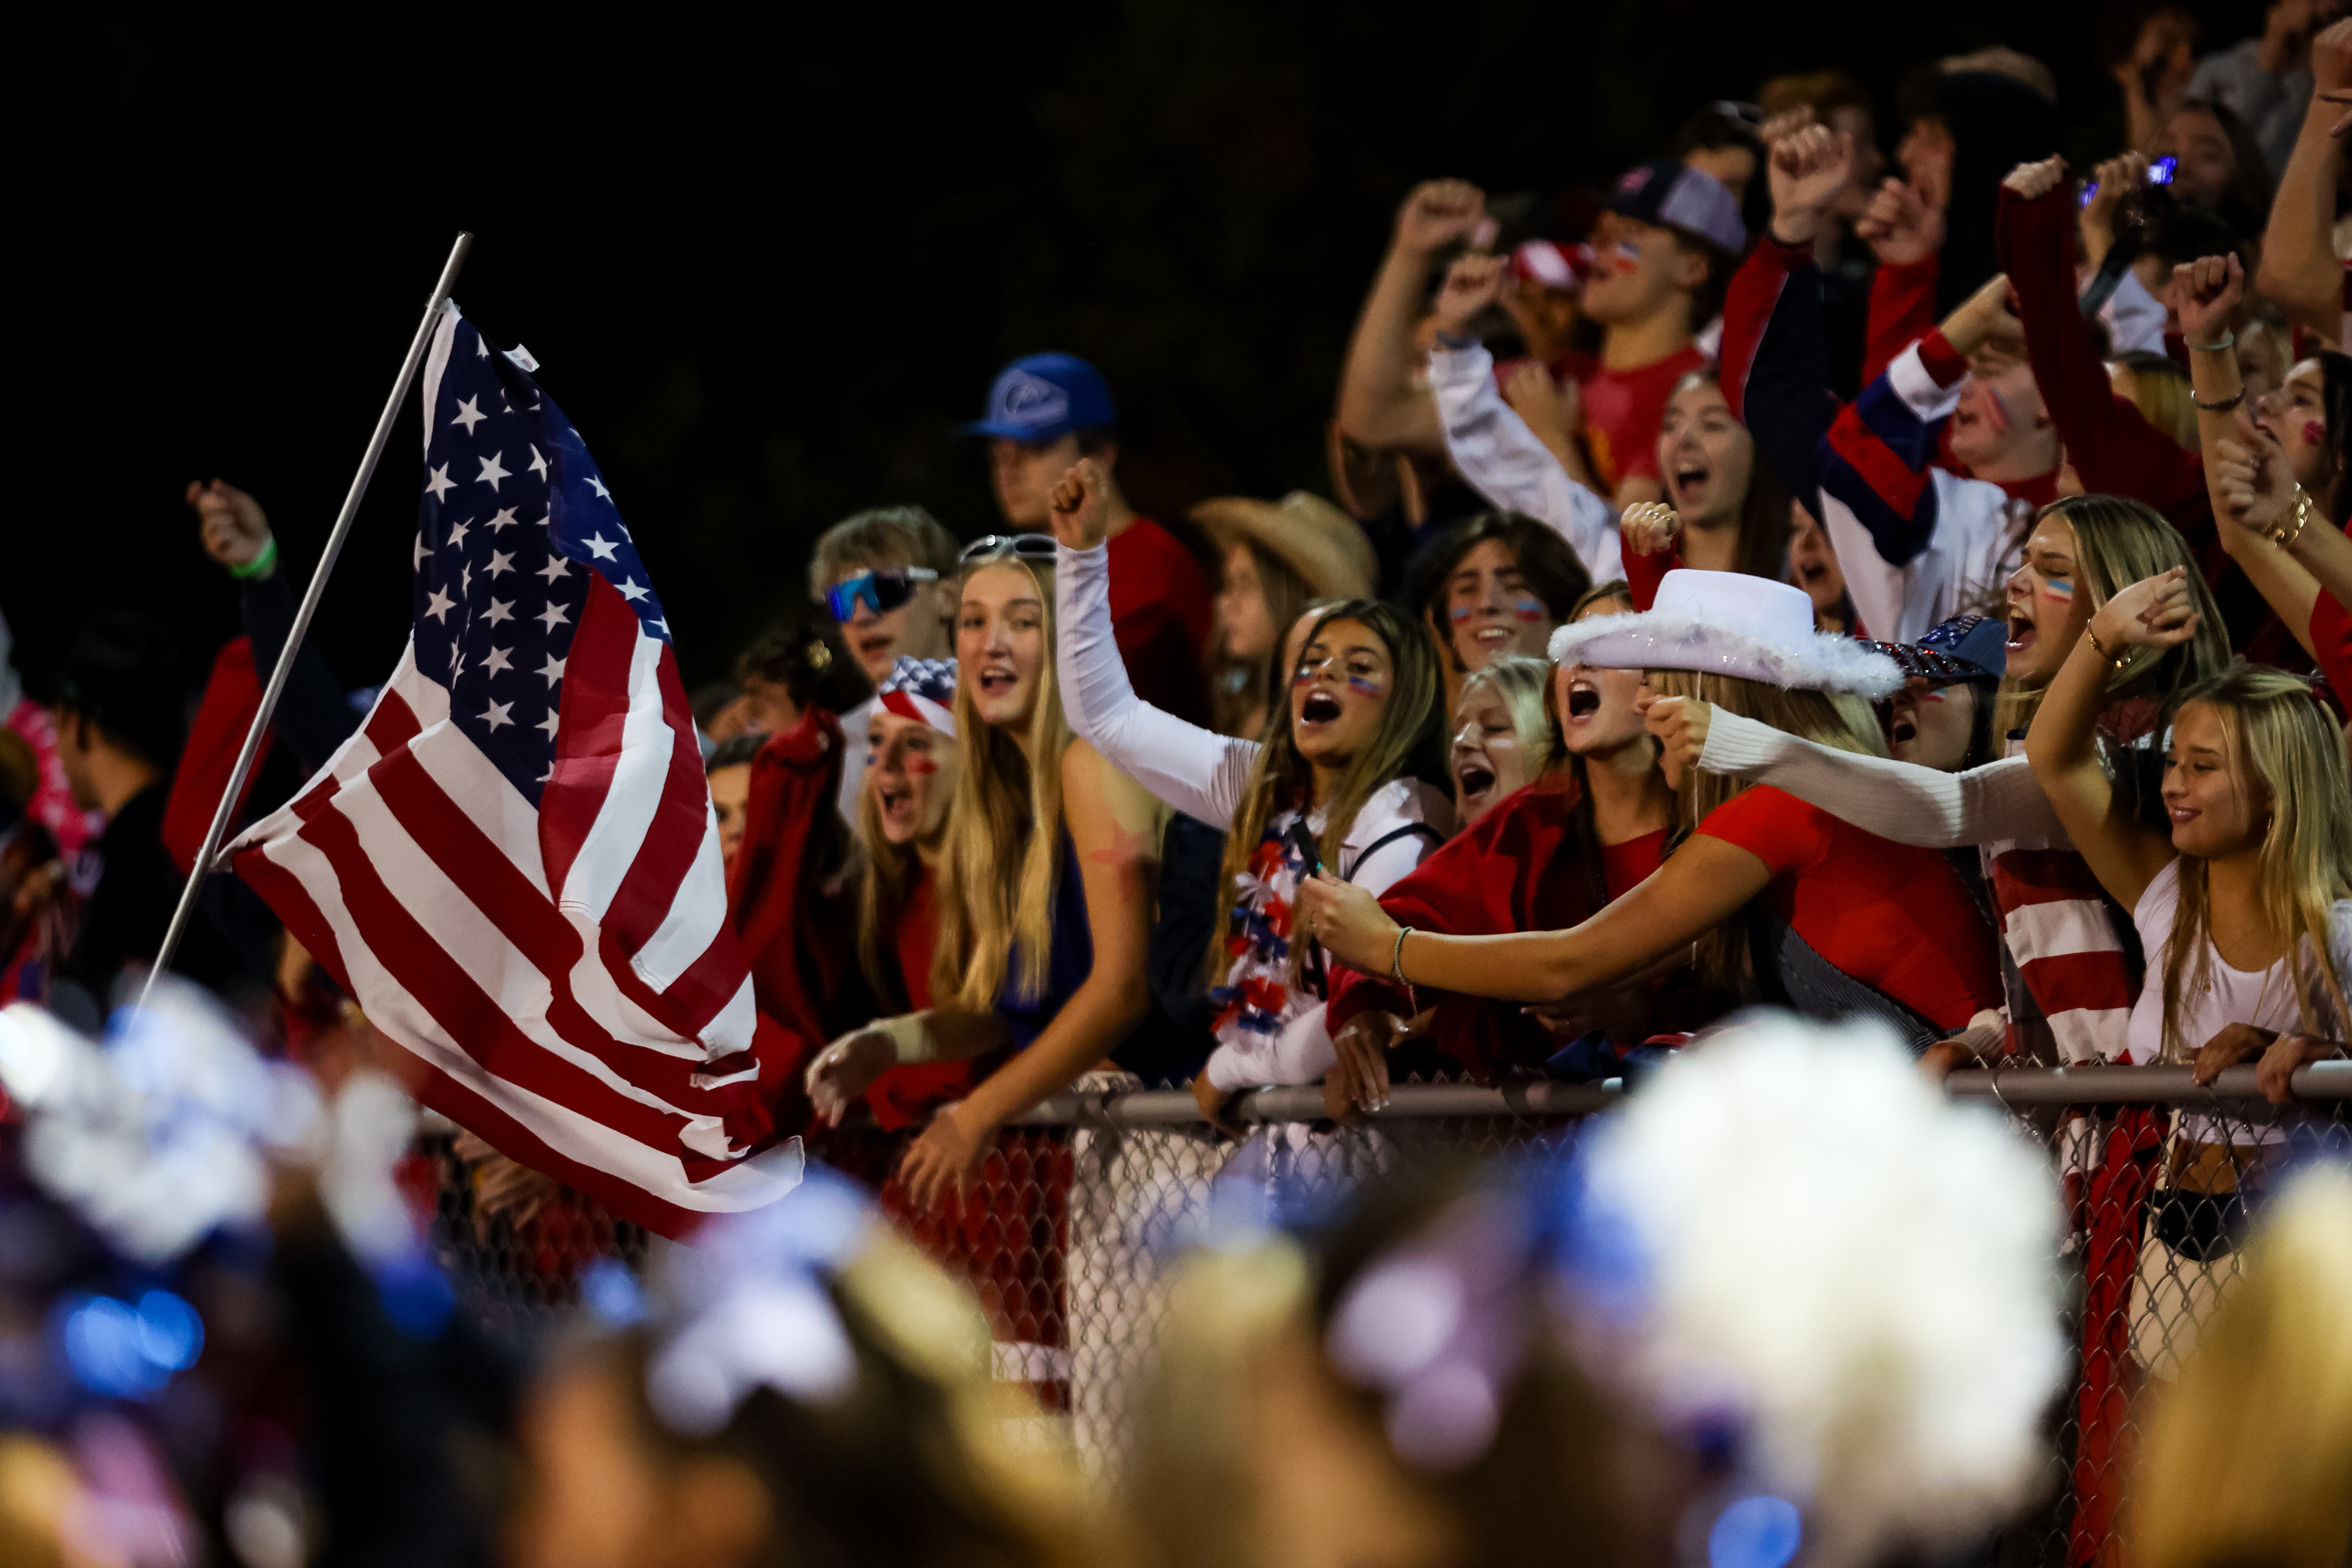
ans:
x=2160 y=390
x=2118 y=542
x=2248 y=1457
x=1521 y=683
x=1841 y=723
x=1281 y=778
x=1000 y=862
x=2283 y=743
x=887 y=879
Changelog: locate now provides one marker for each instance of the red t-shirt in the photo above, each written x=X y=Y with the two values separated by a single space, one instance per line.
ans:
x=1159 y=610
x=1622 y=410
x=1624 y=865
x=1894 y=916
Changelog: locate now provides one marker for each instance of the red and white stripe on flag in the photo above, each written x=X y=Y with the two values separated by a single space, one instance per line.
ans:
x=563 y=978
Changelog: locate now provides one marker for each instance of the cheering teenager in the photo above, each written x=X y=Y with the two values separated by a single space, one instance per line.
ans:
x=1842 y=922
x=1045 y=887
x=1339 y=784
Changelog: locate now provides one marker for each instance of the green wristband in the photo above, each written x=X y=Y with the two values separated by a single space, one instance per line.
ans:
x=261 y=565
x=2227 y=340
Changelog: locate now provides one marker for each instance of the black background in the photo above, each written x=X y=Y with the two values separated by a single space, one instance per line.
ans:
x=766 y=264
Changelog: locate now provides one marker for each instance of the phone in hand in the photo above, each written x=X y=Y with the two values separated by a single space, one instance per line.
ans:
x=2160 y=173
x=1303 y=841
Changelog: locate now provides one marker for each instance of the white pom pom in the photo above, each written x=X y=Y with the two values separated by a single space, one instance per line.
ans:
x=1865 y=1271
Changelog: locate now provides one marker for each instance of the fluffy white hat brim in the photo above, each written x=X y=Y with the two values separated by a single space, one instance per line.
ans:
x=1666 y=639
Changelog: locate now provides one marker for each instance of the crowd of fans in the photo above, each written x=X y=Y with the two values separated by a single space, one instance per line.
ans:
x=1869 y=569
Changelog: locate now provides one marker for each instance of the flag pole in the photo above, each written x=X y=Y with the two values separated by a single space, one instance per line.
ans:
x=310 y=606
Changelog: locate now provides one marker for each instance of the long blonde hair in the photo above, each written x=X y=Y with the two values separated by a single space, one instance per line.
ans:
x=1000 y=864
x=2249 y=1458
x=1842 y=724
x=1406 y=737
x=890 y=873
x=1522 y=684
x=2282 y=742
x=2118 y=542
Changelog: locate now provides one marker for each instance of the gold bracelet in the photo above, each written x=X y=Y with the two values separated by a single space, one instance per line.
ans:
x=2116 y=660
x=2301 y=511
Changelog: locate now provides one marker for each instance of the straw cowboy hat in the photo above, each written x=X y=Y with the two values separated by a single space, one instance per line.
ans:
x=1727 y=623
x=1307 y=533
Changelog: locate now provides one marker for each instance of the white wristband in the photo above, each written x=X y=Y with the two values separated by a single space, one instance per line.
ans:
x=910 y=1037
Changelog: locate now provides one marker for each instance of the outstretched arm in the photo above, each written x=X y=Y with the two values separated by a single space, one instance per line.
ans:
x=1899 y=801
x=2299 y=268
x=1199 y=771
x=1379 y=405
x=1703 y=884
x=2122 y=853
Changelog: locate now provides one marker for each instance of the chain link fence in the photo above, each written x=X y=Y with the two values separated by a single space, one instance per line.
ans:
x=1061 y=1238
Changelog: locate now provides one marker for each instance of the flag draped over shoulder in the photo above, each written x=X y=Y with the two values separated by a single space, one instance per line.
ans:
x=514 y=867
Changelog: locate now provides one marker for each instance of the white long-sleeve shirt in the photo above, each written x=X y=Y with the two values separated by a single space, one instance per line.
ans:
x=1204 y=775
x=1501 y=459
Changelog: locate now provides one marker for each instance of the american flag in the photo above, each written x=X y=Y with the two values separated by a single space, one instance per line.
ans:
x=513 y=866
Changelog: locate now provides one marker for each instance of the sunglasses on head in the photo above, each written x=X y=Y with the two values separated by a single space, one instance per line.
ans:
x=1026 y=546
x=881 y=592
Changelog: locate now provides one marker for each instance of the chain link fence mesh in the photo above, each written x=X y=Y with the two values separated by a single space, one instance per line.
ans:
x=1061 y=1239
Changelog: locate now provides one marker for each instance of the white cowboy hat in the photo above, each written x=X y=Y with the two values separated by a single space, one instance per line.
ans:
x=1727 y=623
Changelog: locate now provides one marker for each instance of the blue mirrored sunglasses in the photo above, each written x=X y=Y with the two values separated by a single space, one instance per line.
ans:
x=881 y=592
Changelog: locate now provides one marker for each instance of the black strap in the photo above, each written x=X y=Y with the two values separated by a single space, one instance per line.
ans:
x=1391 y=837
x=1791 y=973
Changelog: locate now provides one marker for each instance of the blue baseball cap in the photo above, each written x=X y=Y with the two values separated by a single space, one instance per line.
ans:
x=1043 y=398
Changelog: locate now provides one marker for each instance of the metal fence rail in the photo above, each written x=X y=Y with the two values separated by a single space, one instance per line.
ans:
x=1061 y=1238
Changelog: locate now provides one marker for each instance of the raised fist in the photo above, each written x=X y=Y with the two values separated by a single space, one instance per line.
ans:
x=235 y=530
x=1438 y=214
x=2205 y=293
x=1472 y=283
x=1651 y=528
x=1808 y=169
x=1078 y=506
x=2035 y=181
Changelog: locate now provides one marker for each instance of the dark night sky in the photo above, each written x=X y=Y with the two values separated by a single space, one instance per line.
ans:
x=765 y=267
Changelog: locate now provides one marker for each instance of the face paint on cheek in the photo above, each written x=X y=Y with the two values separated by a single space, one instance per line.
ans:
x=1531 y=611
x=921 y=765
x=2058 y=589
x=1462 y=612
x=2315 y=433
x=1629 y=255
x=1368 y=686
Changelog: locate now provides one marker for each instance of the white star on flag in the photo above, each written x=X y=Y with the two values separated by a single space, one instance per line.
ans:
x=466 y=581
x=548 y=724
x=500 y=562
x=496 y=715
x=457 y=535
x=439 y=605
x=538 y=463
x=421 y=553
x=599 y=486
x=630 y=591
x=505 y=519
x=440 y=484
x=553 y=569
x=499 y=661
x=552 y=669
x=602 y=548
x=500 y=610
x=554 y=616
x=468 y=416
x=491 y=473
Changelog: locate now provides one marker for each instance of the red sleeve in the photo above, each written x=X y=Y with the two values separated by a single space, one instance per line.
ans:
x=1776 y=827
x=1902 y=311
x=1747 y=310
x=1488 y=880
x=1645 y=573
x=2114 y=449
x=232 y=696
x=2331 y=634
